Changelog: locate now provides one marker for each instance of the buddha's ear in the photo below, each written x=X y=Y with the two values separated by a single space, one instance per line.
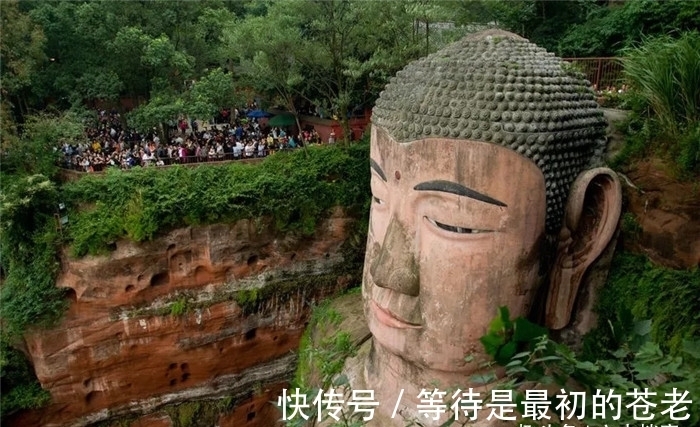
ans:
x=591 y=218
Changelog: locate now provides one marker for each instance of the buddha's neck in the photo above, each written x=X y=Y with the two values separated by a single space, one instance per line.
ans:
x=383 y=364
x=391 y=376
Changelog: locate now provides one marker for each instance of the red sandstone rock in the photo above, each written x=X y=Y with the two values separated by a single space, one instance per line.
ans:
x=257 y=411
x=120 y=349
x=152 y=421
x=668 y=212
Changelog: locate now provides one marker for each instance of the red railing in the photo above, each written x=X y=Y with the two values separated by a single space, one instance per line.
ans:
x=603 y=73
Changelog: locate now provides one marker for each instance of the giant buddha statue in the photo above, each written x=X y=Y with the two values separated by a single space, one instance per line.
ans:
x=487 y=191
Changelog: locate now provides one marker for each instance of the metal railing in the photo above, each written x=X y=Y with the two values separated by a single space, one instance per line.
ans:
x=603 y=73
x=169 y=161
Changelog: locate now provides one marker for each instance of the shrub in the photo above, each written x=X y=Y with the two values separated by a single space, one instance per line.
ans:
x=29 y=244
x=20 y=388
x=665 y=73
x=530 y=359
x=295 y=189
x=638 y=290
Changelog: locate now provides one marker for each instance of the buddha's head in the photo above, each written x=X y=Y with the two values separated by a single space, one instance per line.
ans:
x=485 y=185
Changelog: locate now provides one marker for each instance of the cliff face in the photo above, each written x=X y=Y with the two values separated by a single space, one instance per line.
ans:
x=667 y=215
x=202 y=313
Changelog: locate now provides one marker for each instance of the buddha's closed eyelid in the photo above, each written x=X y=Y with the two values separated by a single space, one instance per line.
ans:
x=456 y=229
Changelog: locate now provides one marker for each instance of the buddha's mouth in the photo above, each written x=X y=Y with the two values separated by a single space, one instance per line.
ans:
x=386 y=317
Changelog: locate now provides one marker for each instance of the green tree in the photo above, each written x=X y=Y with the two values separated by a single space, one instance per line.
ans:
x=608 y=29
x=103 y=49
x=38 y=149
x=211 y=93
x=269 y=60
x=333 y=54
x=21 y=55
x=20 y=388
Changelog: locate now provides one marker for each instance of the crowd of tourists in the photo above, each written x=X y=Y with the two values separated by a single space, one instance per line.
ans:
x=109 y=144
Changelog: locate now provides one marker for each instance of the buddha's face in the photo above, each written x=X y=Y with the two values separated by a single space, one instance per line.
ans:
x=455 y=232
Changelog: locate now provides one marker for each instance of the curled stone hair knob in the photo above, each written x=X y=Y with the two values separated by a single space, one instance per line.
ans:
x=511 y=93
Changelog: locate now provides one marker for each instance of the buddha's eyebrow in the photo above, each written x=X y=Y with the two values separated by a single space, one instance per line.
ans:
x=458 y=189
x=374 y=165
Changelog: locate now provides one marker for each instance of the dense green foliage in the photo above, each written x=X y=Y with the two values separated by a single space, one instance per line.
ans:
x=20 y=389
x=36 y=150
x=638 y=290
x=197 y=57
x=664 y=76
x=637 y=363
x=29 y=247
x=296 y=189
x=607 y=29
x=29 y=244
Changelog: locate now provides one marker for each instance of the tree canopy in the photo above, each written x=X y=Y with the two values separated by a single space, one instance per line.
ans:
x=336 y=54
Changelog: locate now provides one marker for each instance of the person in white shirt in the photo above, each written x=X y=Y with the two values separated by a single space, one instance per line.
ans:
x=238 y=150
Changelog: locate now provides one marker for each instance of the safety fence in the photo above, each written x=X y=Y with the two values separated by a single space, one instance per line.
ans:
x=170 y=161
x=603 y=73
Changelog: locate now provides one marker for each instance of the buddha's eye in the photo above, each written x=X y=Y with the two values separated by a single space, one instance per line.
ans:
x=377 y=200
x=456 y=229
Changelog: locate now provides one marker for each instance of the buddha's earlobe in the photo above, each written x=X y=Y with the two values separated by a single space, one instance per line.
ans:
x=591 y=219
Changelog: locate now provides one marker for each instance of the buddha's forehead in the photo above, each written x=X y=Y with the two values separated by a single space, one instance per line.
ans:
x=485 y=167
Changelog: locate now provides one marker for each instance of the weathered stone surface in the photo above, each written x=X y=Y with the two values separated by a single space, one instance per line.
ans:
x=668 y=213
x=256 y=411
x=160 y=420
x=124 y=347
x=484 y=187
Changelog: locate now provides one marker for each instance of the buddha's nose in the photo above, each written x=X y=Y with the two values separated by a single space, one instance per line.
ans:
x=395 y=267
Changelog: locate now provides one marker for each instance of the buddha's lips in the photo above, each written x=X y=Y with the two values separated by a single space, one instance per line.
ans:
x=387 y=318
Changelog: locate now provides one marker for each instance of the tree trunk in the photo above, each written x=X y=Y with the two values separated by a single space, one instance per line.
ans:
x=344 y=122
x=427 y=36
x=161 y=131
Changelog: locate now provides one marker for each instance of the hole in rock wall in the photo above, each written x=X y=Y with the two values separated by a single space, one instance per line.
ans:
x=172 y=366
x=160 y=279
x=249 y=335
x=294 y=255
x=250 y=416
x=129 y=288
x=185 y=376
x=90 y=397
x=171 y=247
x=252 y=259
x=112 y=246
x=173 y=382
x=201 y=275
x=71 y=295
